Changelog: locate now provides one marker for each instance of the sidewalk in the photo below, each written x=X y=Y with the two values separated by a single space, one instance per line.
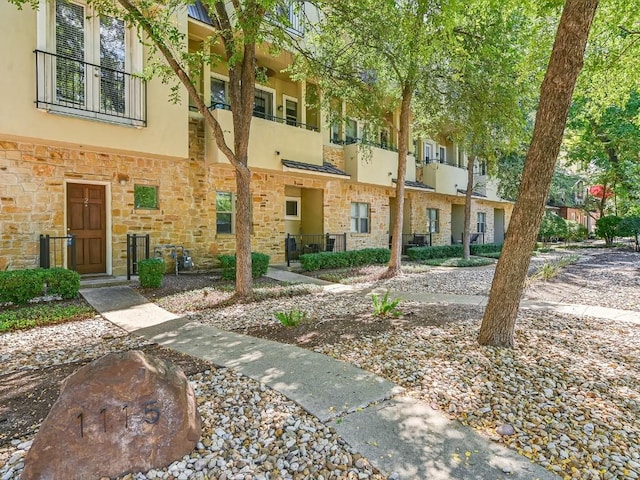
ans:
x=398 y=434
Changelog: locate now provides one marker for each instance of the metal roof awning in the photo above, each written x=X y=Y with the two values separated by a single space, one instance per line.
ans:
x=326 y=169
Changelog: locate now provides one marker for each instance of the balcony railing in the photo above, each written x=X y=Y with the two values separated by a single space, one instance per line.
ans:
x=362 y=141
x=68 y=85
x=272 y=118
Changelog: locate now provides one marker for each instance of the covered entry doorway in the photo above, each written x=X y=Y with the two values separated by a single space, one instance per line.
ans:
x=86 y=219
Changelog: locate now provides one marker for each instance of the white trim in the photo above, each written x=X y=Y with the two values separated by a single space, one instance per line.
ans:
x=108 y=219
x=298 y=202
x=272 y=91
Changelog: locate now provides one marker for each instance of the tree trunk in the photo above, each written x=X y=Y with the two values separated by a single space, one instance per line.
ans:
x=498 y=323
x=395 y=266
x=466 y=237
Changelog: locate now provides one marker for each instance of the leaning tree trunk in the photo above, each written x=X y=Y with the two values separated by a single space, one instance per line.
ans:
x=395 y=266
x=498 y=323
x=466 y=237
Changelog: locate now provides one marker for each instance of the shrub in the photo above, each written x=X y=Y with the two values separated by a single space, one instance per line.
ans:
x=552 y=226
x=576 y=232
x=259 y=265
x=450 y=251
x=607 y=228
x=65 y=283
x=351 y=258
x=20 y=286
x=151 y=271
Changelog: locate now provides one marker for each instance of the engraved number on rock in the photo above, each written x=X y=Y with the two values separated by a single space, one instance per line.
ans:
x=151 y=414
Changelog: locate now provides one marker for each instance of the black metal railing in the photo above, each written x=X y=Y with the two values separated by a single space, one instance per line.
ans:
x=52 y=252
x=272 y=118
x=476 y=237
x=137 y=249
x=76 y=87
x=411 y=240
x=371 y=143
x=296 y=245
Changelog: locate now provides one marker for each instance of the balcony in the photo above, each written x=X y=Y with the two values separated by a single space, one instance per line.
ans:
x=444 y=177
x=272 y=139
x=73 y=87
x=374 y=163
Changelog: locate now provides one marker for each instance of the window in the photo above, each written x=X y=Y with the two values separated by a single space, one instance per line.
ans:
x=263 y=104
x=351 y=131
x=291 y=15
x=292 y=208
x=335 y=132
x=291 y=110
x=225 y=212
x=360 y=217
x=482 y=222
x=443 y=155
x=145 y=196
x=384 y=137
x=433 y=225
x=84 y=63
x=427 y=150
x=219 y=92
x=460 y=159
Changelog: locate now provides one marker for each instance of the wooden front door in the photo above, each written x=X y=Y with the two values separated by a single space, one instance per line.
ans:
x=86 y=219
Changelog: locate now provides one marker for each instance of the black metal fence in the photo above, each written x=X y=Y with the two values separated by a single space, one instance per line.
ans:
x=271 y=118
x=137 y=249
x=296 y=245
x=72 y=85
x=411 y=240
x=52 y=252
x=477 y=237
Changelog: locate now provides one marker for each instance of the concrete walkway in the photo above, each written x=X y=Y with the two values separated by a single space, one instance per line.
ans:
x=396 y=433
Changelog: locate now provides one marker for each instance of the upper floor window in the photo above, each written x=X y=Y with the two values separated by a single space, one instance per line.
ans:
x=84 y=65
x=263 y=104
x=291 y=14
x=219 y=92
x=351 y=131
x=290 y=110
x=443 y=154
x=427 y=150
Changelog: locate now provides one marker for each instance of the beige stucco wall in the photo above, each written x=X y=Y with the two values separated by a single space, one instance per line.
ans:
x=375 y=165
x=166 y=132
x=269 y=143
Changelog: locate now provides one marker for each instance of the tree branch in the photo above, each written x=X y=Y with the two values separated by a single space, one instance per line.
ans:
x=183 y=76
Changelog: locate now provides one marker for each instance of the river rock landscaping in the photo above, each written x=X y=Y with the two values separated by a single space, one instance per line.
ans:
x=567 y=396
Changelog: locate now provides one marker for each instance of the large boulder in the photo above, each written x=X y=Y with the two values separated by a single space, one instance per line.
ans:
x=123 y=412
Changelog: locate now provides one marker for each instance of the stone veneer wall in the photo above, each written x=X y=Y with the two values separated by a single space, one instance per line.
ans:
x=334 y=154
x=32 y=201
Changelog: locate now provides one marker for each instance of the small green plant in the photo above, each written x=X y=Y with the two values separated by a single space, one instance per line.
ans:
x=384 y=307
x=151 y=271
x=292 y=318
x=549 y=270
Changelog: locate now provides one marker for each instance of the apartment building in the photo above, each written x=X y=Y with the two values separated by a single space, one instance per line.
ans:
x=89 y=149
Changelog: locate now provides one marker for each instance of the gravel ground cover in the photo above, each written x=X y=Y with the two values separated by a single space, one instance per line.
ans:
x=249 y=431
x=570 y=390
